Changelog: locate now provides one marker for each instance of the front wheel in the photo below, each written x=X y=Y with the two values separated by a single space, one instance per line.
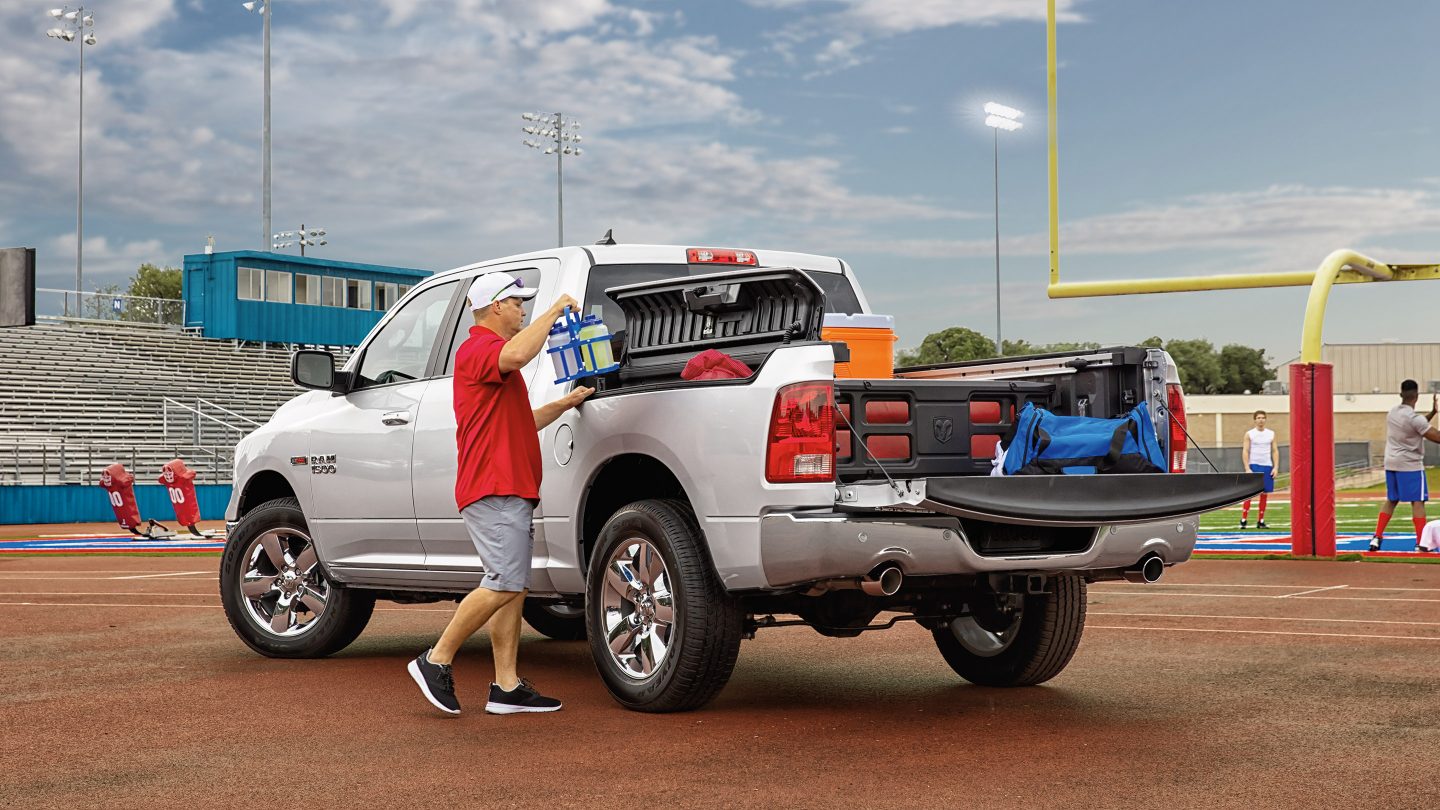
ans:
x=664 y=632
x=275 y=592
x=1032 y=647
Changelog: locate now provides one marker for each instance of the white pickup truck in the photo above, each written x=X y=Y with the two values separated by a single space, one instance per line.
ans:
x=676 y=517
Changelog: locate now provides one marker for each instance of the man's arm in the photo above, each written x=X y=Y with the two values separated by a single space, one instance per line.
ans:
x=545 y=414
x=1434 y=406
x=522 y=348
x=1245 y=451
x=1433 y=435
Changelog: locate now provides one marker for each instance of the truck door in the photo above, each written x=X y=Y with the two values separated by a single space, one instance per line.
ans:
x=449 y=555
x=359 y=462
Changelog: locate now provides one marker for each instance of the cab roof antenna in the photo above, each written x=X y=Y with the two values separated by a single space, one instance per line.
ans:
x=608 y=238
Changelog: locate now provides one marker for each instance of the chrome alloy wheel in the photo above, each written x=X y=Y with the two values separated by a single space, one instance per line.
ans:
x=283 y=588
x=638 y=608
x=981 y=642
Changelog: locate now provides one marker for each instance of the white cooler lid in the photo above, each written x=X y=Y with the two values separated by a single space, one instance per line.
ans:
x=841 y=320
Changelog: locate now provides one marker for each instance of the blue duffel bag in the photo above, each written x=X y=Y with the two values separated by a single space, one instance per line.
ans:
x=1046 y=444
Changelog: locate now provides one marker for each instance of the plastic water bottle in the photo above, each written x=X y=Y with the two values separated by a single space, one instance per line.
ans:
x=597 y=356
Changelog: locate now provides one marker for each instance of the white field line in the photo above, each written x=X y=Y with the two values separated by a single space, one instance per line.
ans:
x=1258 y=632
x=154 y=576
x=1117 y=586
x=210 y=607
x=195 y=574
x=1312 y=590
x=1260 y=618
x=1265 y=596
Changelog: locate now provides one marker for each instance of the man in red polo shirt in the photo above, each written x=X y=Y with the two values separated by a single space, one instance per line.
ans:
x=497 y=485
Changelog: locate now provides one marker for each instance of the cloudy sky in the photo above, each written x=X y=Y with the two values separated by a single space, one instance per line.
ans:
x=1222 y=137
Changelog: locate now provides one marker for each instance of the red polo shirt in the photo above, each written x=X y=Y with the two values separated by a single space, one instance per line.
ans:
x=494 y=425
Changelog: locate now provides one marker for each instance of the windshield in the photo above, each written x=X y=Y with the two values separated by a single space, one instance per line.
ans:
x=839 y=295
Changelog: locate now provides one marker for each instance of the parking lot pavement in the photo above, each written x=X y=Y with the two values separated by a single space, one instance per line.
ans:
x=1228 y=684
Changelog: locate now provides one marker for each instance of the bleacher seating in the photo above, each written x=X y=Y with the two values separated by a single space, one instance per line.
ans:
x=101 y=388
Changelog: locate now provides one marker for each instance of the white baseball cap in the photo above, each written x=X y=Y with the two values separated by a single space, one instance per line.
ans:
x=492 y=287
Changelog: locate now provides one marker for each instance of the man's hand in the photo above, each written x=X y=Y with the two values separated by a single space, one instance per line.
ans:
x=558 y=308
x=575 y=397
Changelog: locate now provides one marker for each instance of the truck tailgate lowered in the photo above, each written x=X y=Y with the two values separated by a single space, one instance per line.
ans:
x=1072 y=500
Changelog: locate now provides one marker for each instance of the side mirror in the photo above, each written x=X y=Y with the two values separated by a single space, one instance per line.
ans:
x=313 y=369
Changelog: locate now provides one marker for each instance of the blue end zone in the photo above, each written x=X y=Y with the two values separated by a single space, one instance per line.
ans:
x=1279 y=542
x=112 y=545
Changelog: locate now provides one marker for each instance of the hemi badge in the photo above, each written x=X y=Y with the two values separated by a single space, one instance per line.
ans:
x=299 y=461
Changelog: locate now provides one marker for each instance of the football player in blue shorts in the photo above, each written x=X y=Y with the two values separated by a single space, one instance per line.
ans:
x=1405 y=435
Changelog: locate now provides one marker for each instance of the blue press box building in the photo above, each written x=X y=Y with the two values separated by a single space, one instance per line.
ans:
x=259 y=296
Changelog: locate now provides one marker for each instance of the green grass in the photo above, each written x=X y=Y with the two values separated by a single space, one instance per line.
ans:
x=1351 y=517
x=1432 y=477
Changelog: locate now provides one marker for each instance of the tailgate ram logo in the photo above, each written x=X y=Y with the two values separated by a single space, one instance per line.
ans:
x=944 y=428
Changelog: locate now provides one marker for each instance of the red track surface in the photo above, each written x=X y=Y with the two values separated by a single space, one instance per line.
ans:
x=1229 y=684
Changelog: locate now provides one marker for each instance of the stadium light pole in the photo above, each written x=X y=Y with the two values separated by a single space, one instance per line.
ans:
x=998 y=117
x=262 y=7
x=304 y=238
x=555 y=134
x=72 y=25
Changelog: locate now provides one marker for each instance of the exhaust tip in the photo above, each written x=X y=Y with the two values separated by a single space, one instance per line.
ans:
x=1147 y=571
x=885 y=583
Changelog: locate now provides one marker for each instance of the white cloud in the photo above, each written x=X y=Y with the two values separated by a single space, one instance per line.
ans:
x=846 y=26
x=1280 y=227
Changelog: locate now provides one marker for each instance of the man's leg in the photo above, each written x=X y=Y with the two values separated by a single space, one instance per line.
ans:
x=475 y=609
x=505 y=642
x=1263 y=497
x=1245 y=513
x=1385 y=512
x=1417 y=516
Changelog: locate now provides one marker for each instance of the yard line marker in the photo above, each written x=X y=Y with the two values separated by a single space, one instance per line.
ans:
x=1260 y=632
x=1260 y=618
x=153 y=576
x=1315 y=590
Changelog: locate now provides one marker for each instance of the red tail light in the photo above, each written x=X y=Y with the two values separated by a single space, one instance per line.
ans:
x=720 y=256
x=1175 y=403
x=801 y=446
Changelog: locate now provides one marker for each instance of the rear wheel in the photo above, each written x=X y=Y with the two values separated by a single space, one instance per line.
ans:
x=275 y=592
x=1029 y=646
x=555 y=620
x=664 y=632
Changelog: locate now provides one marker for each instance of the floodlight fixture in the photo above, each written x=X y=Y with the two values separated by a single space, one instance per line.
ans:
x=1007 y=124
x=991 y=108
x=72 y=26
x=554 y=135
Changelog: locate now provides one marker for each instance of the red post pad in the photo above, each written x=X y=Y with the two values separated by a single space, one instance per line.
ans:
x=1312 y=460
x=179 y=481
x=119 y=485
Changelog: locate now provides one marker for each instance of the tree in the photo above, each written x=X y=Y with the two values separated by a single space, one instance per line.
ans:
x=152 y=282
x=949 y=346
x=99 y=305
x=1152 y=342
x=1243 y=369
x=1199 y=365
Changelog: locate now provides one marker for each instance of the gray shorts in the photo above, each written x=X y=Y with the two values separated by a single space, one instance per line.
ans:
x=500 y=527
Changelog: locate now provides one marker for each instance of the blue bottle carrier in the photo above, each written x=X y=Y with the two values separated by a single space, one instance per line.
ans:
x=580 y=347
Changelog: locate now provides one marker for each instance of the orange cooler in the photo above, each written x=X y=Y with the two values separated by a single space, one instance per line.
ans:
x=871 y=339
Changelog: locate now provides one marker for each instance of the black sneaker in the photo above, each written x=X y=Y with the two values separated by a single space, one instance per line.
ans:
x=1261 y=525
x=1242 y=523
x=1374 y=544
x=437 y=683
x=522 y=698
x=1419 y=549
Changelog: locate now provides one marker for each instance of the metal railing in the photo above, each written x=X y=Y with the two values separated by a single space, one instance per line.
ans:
x=102 y=306
x=198 y=420
x=54 y=460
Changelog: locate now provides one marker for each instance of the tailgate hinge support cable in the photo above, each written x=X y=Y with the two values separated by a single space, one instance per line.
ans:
x=899 y=493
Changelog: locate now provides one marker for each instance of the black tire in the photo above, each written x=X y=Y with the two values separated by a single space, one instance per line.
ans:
x=345 y=614
x=1033 y=650
x=704 y=638
x=555 y=620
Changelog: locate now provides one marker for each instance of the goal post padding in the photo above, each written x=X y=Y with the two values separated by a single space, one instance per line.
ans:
x=1312 y=460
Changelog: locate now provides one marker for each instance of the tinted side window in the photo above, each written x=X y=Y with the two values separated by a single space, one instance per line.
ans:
x=530 y=276
x=402 y=348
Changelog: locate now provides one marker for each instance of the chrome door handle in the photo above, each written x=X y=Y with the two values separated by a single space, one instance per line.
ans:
x=396 y=418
